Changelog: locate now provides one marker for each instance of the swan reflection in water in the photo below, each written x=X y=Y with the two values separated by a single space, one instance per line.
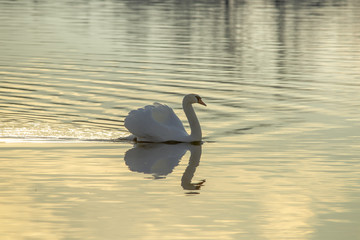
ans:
x=160 y=159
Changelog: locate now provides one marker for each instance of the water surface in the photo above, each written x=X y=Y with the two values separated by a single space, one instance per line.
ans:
x=280 y=157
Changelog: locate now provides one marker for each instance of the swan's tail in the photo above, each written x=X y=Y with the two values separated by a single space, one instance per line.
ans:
x=130 y=138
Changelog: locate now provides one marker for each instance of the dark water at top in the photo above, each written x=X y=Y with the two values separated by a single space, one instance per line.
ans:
x=282 y=126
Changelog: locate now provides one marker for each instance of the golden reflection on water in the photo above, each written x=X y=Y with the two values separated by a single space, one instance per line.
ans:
x=66 y=189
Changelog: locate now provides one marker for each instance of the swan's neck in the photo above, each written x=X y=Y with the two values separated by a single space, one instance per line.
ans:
x=195 y=134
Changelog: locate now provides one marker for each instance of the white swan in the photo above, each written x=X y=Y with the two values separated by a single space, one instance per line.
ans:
x=159 y=123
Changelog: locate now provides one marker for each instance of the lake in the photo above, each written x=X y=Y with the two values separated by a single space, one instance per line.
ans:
x=280 y=157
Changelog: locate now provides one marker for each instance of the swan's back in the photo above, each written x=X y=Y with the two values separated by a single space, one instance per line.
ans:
x=155 y=123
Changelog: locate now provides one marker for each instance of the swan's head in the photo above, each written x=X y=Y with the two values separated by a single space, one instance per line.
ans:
x=193 y=98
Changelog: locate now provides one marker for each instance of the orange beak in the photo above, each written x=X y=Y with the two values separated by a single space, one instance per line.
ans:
x=201 y=102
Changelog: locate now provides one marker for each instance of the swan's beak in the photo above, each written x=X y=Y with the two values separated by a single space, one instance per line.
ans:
x=201 y=102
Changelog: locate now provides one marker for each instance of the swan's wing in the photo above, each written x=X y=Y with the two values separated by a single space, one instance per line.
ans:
x=156 y=123
x=164 y=114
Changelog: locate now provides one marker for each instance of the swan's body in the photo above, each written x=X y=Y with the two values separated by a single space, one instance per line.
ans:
x=159 y=123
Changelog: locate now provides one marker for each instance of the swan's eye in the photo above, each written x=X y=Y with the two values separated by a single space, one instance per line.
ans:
x=199 y=100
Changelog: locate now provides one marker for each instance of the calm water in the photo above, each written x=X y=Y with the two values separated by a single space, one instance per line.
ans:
x=281 y=156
